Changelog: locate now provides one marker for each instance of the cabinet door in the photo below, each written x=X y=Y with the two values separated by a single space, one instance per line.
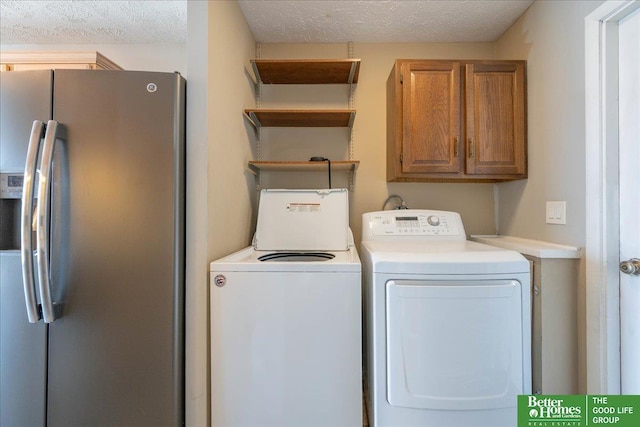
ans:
x=431 y=117
x=495 y=119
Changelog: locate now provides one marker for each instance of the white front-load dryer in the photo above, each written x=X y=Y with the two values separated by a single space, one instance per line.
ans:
x=448 y=323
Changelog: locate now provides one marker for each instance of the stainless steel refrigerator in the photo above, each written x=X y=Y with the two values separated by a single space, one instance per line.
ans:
x=92 y=248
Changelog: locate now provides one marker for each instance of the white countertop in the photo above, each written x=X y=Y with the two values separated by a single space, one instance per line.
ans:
x=536 y=248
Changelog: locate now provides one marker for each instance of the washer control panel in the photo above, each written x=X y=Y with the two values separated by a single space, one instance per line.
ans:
x=413 y=222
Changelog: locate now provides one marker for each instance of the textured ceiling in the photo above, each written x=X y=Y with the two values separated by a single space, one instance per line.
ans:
x=381 y=20
x=149 y=21
x=92 y=22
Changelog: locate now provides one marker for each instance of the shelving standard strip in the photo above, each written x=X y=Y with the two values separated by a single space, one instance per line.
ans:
x=258 y=87
x=354 y=67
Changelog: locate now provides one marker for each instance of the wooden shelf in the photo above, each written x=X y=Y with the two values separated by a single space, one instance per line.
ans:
x=301 y=118
x=257 y=166
x=306 y=71
x=303 y=71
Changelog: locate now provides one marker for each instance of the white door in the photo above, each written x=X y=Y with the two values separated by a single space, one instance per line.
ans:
x=438 y=359
x=629 y=139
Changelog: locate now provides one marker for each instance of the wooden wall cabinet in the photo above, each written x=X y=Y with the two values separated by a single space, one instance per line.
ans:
x=456 y=120
x=45 y=60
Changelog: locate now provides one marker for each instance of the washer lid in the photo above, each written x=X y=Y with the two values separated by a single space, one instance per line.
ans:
x=444 y=257
x=303 y=220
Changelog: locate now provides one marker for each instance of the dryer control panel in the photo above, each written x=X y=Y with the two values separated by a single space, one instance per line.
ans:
x=417 y=223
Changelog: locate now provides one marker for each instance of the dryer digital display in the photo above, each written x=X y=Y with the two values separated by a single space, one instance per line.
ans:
x=407 y=221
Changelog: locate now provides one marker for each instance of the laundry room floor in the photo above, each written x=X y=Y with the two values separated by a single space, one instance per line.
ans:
x=365 y=418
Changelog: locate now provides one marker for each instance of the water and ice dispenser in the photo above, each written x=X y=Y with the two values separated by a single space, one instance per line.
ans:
x=10 y=210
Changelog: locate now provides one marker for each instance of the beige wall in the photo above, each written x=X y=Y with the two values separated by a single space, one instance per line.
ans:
x=220 y=192
x=231 y=185
x=473 y=201
x=197 y=257
x=550 y=36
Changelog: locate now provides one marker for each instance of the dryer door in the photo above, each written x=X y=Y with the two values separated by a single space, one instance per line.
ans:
x=454 y=345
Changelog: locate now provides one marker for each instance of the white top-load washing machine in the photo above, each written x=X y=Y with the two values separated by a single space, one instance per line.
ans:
x=448 y=323
x=286 y=318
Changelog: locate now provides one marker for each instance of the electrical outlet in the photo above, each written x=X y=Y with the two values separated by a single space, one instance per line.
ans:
x=556 y=212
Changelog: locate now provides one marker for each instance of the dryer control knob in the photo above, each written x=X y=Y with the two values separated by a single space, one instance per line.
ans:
x=433 y=220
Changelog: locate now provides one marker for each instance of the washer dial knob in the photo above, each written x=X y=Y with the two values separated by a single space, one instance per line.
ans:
x=433 y=220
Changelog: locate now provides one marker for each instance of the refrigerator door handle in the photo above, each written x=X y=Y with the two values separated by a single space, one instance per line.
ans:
x=42 y=221
x=26 y=225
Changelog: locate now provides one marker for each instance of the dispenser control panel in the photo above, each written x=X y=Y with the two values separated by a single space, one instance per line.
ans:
x=11 y=185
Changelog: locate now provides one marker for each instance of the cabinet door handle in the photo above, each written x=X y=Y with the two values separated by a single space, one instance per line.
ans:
x=456 y=144
x=470 y=140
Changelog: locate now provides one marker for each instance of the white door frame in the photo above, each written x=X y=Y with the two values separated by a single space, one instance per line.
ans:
x=602 y=220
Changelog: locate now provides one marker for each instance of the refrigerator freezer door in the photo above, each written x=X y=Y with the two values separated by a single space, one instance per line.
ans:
x=116 y=346
x=24 y=97
x=23 y=351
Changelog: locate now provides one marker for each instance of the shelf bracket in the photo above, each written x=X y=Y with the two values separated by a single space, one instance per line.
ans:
x=256 y=72
x=352 y=72
x=253 y=119
x=258 y=182
x=352 y=174
x=352 y=117
x=256 y=176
